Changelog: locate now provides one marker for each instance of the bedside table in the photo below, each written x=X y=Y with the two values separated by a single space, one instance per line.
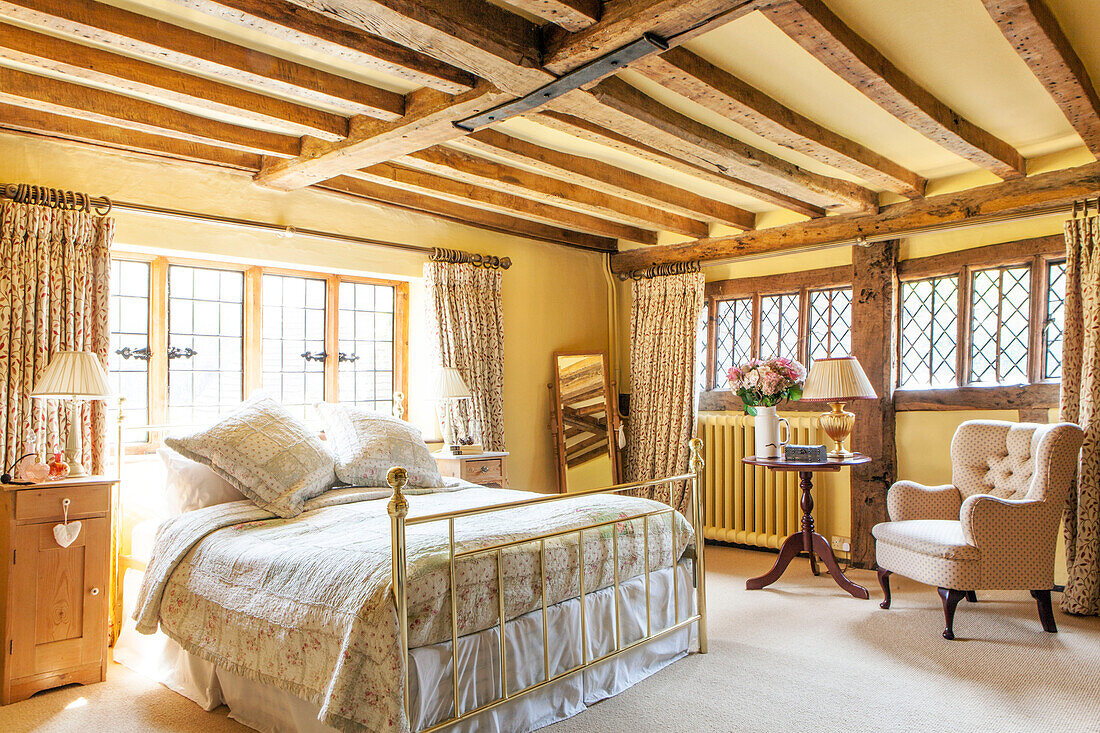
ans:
x=488 y=469
x=55 y=598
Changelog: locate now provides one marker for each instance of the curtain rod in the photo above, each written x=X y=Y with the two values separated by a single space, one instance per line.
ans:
x=61 y=199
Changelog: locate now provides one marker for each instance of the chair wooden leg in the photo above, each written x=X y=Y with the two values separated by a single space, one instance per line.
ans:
x=884 y=581
x=950 y=598
x=972 y=596
x=1046 y=611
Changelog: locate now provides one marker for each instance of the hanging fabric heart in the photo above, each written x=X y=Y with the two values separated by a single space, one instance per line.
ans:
x=67 y=532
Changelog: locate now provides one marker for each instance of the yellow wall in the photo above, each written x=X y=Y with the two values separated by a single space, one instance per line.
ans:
x=555 y=298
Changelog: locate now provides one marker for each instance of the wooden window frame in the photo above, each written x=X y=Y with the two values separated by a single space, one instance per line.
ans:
x=253 y=328
x=801 y=284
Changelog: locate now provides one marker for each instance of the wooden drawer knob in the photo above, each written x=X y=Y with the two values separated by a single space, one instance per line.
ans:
x=95 y=591
x=485 y=469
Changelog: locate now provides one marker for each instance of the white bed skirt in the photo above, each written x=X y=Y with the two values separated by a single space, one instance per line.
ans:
x=271 y=710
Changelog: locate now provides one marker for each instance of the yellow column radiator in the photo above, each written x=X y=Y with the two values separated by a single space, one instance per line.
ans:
x=746 y=504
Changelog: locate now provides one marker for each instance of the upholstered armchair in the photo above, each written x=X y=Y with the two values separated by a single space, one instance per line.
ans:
x=994 y=527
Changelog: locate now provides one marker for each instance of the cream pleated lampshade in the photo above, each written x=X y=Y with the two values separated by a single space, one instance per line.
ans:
x=73 y=375
x=837 y=379
x=451 y=385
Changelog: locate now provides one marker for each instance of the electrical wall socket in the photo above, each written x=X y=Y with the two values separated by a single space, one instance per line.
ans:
x=841 y=544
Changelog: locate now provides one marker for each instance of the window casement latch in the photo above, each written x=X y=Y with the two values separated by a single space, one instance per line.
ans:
x=174 y=352
x=342 y=357
x=310 y=356
x=127 y=353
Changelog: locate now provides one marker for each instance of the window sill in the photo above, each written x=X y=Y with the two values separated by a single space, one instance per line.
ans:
x=995 y=397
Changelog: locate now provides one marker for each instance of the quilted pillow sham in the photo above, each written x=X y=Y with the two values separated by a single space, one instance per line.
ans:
x=368 y=444
x=267 y=454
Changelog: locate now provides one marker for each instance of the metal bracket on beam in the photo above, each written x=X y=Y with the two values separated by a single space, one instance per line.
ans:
x=590 y=73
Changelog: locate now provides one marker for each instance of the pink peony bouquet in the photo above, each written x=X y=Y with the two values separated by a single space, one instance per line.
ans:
x=767 y=383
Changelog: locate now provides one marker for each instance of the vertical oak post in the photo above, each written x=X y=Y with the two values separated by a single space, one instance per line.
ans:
x=874 y=294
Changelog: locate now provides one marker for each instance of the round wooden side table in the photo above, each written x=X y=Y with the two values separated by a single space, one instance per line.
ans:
x=807 y=540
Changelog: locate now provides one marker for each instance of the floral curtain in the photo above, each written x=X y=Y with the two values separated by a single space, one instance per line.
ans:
x=1080 y=400
x=464 y=310
x=664 y=315
x=54 y=296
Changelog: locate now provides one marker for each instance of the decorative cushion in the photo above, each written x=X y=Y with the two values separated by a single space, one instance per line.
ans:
x=266 y=453
x=368 y=444
x=190 y=485
x=935 y=537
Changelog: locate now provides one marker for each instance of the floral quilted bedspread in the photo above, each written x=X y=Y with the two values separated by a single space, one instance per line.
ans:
x=306 y=604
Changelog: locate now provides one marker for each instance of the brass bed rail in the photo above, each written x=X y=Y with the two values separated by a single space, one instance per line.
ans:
x=398 y=509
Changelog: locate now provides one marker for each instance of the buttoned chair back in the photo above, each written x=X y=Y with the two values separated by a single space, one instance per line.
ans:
x=1013 y=460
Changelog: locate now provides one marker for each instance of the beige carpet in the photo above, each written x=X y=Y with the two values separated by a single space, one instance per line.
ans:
x=801 y=655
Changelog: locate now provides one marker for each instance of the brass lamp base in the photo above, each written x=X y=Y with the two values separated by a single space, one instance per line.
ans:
x=838 y=425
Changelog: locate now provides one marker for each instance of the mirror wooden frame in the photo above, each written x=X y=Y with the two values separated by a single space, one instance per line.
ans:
x=557 y=422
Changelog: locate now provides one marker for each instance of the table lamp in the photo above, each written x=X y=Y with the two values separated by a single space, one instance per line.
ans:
x=452 y=388
x=72 y=376
x=837 y=380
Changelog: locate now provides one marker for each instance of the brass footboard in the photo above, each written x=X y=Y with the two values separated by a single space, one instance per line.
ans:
x=398 y=509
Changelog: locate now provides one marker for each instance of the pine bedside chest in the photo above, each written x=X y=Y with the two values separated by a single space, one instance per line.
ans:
x=54 y=614
x=488 y=469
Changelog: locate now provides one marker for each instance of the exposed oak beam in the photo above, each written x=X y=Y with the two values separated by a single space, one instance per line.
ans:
x=592 y=173
x=626 y=20
x=586 y=130
x=690 y=76
x=162 y=42
x=475 y=35
x=24 y=119
x=308 y=29
x=570 y=15
x=169 y=86
x=1035 y=34
x=428 y=121
x=1008 y=198
x=488 y=173
x=481 y=197
x=628 y=111
x=468 y=215
x=61 y=97
x=817 y=29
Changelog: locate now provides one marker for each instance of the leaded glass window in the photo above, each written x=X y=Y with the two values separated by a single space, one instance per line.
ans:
x=1000 y=324
x=929 y=331
x=128 y=356
x=294 y=341
x=205 y=343
x=779 y=326
x=830 y=328
x=701 y=336
x=1055 y=322
x=366 y=330
x=733 y=337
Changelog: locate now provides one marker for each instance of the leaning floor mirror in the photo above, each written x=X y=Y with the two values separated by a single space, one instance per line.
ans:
x=584 y=421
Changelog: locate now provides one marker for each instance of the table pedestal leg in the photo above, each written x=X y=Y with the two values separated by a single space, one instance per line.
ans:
x=810 y=542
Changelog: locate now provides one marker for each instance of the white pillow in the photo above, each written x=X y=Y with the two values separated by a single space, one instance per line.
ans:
x=191 y=485
x=368 y=444
x=265 y=453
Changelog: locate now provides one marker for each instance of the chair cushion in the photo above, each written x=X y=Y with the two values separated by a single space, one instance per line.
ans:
x=935 y=537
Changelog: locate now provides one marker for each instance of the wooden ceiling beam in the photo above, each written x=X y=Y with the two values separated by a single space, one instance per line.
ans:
x=582 y=171
x=1034 y=32
x=570 y=15
x=308 y=29
x=624 y=21
x=694 y=78
x=470 y=216
x=1019 y=196
x=486 y=40
x=491 y=174
x=62 y=97
x=162 y=42
x=83 y=130
x=167 y=86
x=482 y=197
x=429 y=120
x=584 y=129
x=627 y=110
x=817 y=29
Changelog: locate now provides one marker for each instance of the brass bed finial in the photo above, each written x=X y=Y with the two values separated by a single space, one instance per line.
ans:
x=397 y=478
x=695 y=450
